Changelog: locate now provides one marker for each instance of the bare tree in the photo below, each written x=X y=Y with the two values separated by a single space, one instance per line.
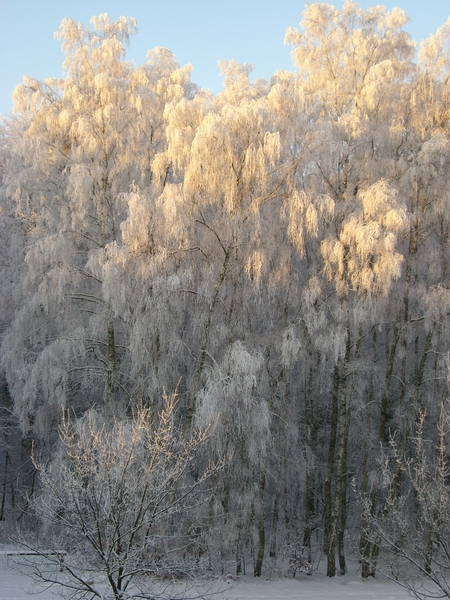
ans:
x=117 y=506
x=412 y=530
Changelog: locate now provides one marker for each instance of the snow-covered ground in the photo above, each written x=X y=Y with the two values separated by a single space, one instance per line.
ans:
x=317 y=587
x=16 y=586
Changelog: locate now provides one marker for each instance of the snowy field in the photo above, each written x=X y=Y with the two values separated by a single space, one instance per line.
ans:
x=14 y=586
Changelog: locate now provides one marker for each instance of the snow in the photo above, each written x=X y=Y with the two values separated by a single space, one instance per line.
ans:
x=17 y=586
x=13 y=585
x=317 y=588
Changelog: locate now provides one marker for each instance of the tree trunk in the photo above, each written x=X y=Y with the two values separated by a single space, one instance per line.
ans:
x=343 y=499
x=311 y=436
x=364 y=539
x=330 y=534
x=5 y=481
x=274 y=526
x=261 y=528
x=339 y=511
x=111 y=363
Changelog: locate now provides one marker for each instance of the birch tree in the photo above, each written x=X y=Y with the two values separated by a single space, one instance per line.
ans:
x=281 y=246
x=343 y=58
x=87 y=138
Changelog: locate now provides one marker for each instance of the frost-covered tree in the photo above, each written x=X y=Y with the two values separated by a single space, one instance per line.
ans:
x=232 y=399
x=281 y=246
x=117 y=505
x=412 y=526
x=16 y=472
x=86 y=139
x=349 y=63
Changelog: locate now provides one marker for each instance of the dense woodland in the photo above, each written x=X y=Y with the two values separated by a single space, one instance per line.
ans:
x=277 y=255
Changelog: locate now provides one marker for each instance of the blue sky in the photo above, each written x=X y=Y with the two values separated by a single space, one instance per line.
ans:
x=197 y=31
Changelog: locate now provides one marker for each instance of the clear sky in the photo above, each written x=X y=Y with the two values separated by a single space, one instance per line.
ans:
x=199 y=32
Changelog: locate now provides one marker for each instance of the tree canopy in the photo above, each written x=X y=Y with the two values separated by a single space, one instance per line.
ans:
x=282 y=247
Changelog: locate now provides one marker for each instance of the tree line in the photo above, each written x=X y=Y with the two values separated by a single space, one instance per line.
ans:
x=277 y=253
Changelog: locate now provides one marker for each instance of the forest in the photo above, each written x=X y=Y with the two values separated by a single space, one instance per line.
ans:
x=224 y=319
